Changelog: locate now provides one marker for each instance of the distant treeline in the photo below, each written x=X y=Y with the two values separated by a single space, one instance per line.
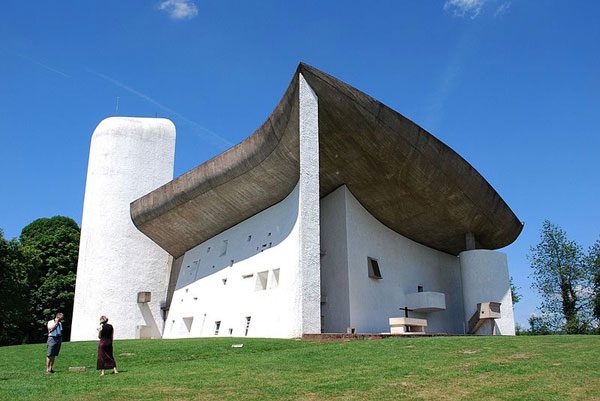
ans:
x=37 y=279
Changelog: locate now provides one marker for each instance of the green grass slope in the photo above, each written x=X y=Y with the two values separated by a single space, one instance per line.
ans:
x=440 y=368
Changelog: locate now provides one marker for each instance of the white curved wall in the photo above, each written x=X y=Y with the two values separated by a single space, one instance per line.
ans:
x=129 y=157
x=485 y=279
x=349 y=235
x=219 y=279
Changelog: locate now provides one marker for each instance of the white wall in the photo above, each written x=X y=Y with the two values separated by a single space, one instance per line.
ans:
x=284 y=239
x=334 y=263
x=129 y=157
x=404 y=265
x=485 y=279
x=263 y=243
x=308 y=278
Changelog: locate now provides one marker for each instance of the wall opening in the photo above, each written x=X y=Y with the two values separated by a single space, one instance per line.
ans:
x=217 y=327
x=224 y=247
x=247 y=325
x=224 y=280
x=374 y=271
x=274 y=278
x=187 y=321
x=230 y=331
x=419 y=288
x=261 y=281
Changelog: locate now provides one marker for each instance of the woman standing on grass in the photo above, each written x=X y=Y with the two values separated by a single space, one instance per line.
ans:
x=106 y=360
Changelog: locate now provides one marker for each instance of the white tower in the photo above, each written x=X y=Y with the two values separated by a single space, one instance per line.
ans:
x=129 y=157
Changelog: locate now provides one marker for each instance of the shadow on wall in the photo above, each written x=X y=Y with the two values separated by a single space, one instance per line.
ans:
x=251 y=237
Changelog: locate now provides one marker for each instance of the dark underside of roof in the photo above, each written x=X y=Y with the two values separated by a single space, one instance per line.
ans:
x=404 y=176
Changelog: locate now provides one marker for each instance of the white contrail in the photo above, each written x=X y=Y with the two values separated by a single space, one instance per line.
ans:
x=44 y=66
x=163 y=107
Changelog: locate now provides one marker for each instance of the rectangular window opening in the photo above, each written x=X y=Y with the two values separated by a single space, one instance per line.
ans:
x=247 y=325
x=374 y=271
x=249 y=238
x=224 y=280
x=261 y=281
x=230 y=331
x=420 y=288
x=217 y=327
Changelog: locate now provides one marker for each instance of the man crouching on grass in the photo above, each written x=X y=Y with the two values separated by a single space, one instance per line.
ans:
x=54 y=341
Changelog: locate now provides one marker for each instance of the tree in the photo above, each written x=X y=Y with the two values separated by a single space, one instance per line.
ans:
x=593 y=266
x=56 y=240
x=538 y=325
x=514 y=292
x=560 y=276
x=18 y=266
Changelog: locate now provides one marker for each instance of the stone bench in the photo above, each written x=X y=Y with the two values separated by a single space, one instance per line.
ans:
x=407 y=325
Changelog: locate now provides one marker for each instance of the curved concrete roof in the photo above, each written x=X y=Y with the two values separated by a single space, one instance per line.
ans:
x=404 y=176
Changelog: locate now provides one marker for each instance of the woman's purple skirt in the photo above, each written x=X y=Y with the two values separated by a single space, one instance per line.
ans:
x=106 y=360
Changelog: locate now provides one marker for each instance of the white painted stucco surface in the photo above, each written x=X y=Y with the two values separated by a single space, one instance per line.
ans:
x=309 y=280
x=404 y=266
x=485 y=278
x=129 y=157
x=335 y=306
x=222 y=279
x=266 y=242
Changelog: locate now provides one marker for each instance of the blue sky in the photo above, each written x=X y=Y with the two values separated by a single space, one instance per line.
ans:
x=512 y=85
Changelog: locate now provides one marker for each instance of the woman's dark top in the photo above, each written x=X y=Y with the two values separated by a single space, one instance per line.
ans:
x=107 y=331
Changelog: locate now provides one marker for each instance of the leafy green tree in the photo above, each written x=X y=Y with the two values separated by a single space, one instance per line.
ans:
x=538 y=325
x=560 y=276
x=514 y=292
x=56 y=240
x=593 y=265
x=18 y=267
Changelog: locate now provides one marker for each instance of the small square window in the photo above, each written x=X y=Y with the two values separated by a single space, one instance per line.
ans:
x=420 y=288
x=373 y=266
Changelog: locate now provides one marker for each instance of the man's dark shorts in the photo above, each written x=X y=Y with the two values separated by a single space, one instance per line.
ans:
x=54 y=345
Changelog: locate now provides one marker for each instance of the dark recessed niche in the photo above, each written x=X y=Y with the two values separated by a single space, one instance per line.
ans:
x=373 y=266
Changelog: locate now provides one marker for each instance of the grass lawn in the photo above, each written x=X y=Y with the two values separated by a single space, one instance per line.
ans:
x=440 y=368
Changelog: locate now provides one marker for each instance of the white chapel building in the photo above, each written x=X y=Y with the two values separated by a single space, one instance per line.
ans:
x=335 y=215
